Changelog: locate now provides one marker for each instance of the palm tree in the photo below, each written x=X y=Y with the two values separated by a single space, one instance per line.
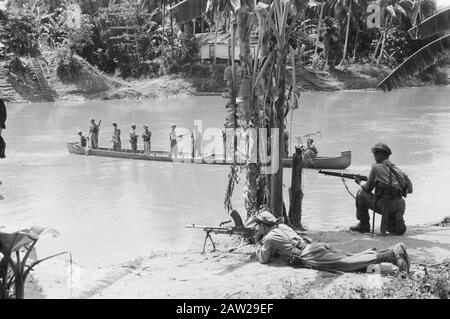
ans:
x=393 y=9
x=435 y=25
x=350 y=13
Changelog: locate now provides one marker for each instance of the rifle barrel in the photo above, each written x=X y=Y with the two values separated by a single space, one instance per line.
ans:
x=344 y=175
x=222 y=230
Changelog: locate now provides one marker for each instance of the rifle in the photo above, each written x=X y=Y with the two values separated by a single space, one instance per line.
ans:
x=350 y=176
x=344 y=175
x=236 y=230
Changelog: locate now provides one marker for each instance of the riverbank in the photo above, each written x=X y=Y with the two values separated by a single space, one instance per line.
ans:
x=91 y=84
x=350 y=77
x=232 y=271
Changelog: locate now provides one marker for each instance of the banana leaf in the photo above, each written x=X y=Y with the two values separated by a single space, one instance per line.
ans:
x=437 y=23
x=419 y=61
x=14 y=241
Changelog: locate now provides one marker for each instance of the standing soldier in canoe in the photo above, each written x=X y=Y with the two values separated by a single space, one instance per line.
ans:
x=93 y=133
x=117 y=144
x=146 y=137
x=133 y=138
x=173 y=142
x=196 y=142
x=390 y=185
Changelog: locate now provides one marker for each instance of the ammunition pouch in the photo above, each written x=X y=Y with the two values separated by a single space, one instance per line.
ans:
x=295 y=254
x=383 y=191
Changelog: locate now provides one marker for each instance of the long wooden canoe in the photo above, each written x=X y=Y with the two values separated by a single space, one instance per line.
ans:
x=340 y=162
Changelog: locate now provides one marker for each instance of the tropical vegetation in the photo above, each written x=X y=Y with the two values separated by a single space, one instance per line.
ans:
x=135 y=38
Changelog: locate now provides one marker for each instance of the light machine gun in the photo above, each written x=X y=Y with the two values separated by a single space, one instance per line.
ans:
x=239 y=229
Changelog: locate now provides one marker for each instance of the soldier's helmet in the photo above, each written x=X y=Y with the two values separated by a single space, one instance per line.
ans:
x=381 y=147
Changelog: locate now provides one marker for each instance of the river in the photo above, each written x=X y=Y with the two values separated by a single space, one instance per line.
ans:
x=112 y=210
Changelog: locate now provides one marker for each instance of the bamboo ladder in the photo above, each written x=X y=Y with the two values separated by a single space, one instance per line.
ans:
x=44 y=88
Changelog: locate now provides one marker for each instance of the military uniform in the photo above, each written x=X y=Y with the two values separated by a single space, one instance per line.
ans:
x=93 y=132
x=133 y=140
x=82 y=140
x=173 y=143
x=117 y=143
x=146 y=137
x=311 y=150
x=283 y=241
x=391 y=184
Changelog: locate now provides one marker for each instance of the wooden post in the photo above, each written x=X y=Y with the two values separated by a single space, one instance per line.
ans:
x=296 y=192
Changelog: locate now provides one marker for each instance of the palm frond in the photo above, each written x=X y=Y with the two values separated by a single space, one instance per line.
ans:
x=399 y=8
x=419 y=61
x=437 y=23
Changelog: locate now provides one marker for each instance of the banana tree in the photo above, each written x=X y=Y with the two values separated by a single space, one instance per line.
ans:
x=16 y=249
x=263 y=95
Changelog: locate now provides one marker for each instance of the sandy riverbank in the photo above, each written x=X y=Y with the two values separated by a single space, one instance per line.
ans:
x=234 y=272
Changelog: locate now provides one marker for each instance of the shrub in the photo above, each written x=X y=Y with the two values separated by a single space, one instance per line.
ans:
x=440 y=77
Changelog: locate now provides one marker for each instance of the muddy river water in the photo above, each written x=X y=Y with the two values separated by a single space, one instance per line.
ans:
x=112 y=210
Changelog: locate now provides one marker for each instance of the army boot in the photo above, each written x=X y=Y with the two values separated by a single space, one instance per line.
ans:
x=362 y=227
x=396 y=255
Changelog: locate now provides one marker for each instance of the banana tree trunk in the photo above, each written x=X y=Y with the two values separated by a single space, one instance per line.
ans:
x=19 y=287
x=349 y=15
x=277 y=178
x=244 y=16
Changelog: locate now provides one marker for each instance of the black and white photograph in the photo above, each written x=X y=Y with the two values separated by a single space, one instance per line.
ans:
x=240 y=151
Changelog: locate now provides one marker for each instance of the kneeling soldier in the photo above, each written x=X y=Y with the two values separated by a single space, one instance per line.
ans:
x=390 y=185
